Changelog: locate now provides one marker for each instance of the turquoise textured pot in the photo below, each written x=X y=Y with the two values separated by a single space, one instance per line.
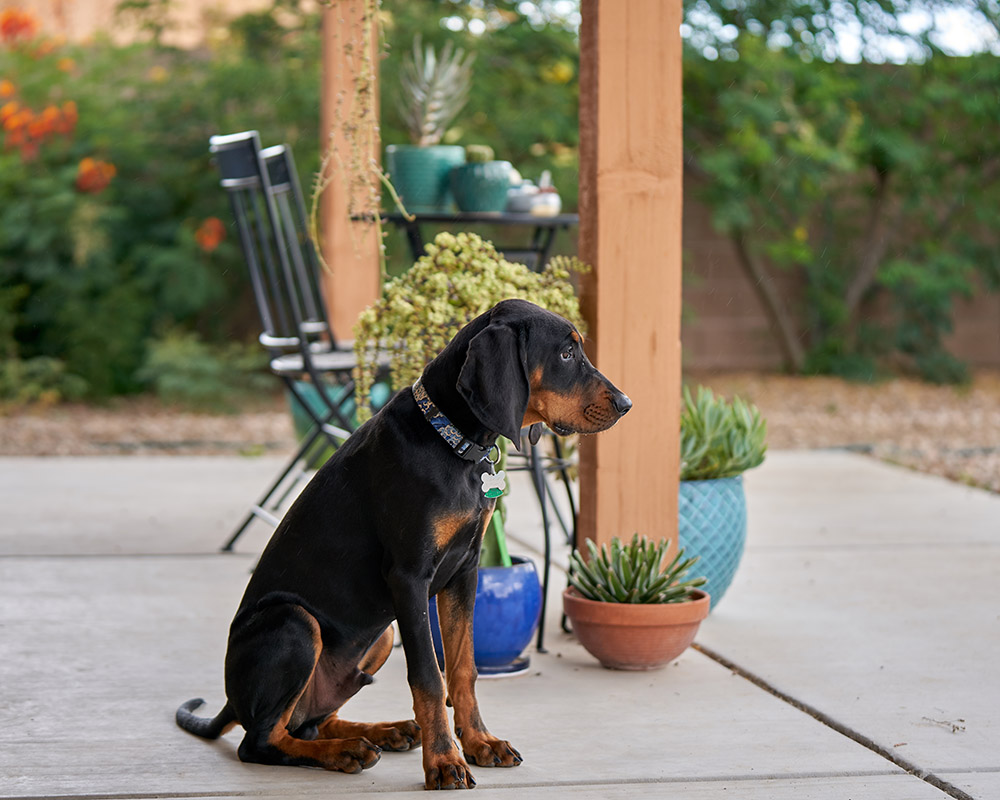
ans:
x=713 y=526
x=482 y=187
x=420 y=175
x=508 y=607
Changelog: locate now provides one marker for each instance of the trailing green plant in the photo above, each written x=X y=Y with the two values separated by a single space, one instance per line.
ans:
x=719 y=439
x=633 y=573
x=434 y=87
x=460 y=277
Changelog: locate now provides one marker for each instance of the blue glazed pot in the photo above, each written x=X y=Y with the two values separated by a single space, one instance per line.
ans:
x=508 y=605
x=481 y=187
x=713 y=526
x=420 y=174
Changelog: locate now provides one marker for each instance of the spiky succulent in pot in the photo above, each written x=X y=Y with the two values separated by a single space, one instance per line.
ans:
x=434 y=88
x=719 y=439
x=632 y=573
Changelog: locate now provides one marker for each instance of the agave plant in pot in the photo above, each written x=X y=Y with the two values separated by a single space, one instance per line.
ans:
x=433 y=89
x=460 y=277
x=720 y=440
x=628 y=608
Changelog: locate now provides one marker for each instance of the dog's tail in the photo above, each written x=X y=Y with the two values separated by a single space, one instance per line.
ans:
x=208 y=728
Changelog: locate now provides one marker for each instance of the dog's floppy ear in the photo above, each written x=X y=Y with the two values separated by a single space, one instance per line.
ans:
x=494 y=381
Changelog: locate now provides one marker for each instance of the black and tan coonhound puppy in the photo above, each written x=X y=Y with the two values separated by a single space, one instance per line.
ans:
x=395 y=516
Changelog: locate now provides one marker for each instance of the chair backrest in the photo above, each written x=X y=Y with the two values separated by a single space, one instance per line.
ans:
x=272 y=223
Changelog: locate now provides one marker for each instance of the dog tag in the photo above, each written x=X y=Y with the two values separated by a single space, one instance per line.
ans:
x=494 y=485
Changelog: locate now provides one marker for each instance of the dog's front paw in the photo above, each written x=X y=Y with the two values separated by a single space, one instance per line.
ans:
x=447 y=771
x=485 y=750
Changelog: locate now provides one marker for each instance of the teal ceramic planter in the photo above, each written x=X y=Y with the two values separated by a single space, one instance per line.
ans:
x=482 y=187
x=420 y=175
x=713 y=526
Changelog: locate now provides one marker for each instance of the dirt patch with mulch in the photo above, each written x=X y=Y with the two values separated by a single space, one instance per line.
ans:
x=945 y=430
x=949 y=431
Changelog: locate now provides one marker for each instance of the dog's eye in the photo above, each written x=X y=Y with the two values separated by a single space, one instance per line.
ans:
x=567 y=354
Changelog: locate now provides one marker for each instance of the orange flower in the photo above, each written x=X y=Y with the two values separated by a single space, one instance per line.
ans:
x=38 y=127
x=16 y=24
x=18 y=118
x=210 y=234
x=93 y=176
x=7 y=112
x=65 y=64
x=7 y=88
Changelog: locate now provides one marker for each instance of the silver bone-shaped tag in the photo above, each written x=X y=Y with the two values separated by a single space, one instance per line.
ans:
x=494 y=485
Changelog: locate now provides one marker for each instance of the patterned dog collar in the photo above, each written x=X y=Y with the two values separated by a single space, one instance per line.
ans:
x=460 y=444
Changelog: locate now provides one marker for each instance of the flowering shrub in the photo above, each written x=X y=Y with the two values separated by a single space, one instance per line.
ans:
x=113 y=227
x=210 y=234
x=17 y=25
x=459 y=278
x=93 y=176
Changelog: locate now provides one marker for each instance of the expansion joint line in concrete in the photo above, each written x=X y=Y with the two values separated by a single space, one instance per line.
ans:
x=825 y=719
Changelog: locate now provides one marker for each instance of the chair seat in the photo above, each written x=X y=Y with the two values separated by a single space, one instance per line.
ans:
x=324 y=361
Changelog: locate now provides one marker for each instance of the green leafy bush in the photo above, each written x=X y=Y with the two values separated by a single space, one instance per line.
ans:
x=886 y=213
x=40 y=380
x=182 y=369
x=719 y=439
x=632 y=573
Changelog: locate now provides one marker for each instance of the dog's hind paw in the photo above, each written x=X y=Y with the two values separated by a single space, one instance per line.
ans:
x=404 y=735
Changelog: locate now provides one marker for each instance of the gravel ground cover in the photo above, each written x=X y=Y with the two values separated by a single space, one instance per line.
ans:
x=945 y=430
x=954 y=432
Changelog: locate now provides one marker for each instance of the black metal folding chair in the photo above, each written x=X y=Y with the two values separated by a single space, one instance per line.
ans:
x=271 y=220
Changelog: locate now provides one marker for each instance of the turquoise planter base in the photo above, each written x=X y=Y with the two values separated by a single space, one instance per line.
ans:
x=713 y=526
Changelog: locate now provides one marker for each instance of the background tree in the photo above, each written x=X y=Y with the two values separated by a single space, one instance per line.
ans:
x=875 y=183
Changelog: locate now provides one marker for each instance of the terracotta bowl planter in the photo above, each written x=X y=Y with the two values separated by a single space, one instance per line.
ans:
x=636 y=637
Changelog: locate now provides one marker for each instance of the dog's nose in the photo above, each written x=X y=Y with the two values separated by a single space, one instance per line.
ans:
x=621 y=403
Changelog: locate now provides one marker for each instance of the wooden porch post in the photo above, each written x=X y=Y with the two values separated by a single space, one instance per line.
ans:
x=350 y=249
x=630 y=230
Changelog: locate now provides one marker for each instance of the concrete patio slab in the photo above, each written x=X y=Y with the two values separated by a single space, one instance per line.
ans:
x=895 y=595
x=107 y=505
x=119 y=649
x=114 y=608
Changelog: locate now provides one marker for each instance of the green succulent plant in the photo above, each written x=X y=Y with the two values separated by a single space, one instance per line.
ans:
x=434 y=88
x=632 y=573
x=719 y=439
x=478 y=154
